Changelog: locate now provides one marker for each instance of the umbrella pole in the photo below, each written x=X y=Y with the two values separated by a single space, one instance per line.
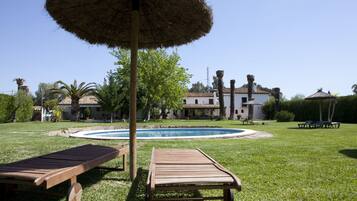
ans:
x=133 y=89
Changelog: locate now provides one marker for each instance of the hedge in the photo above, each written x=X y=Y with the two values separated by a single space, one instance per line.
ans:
x=24 y=107
x=7 y=108
x=284 y=116
x=345 y=111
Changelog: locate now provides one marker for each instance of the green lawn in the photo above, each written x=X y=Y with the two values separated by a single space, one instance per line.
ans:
x=318 y=164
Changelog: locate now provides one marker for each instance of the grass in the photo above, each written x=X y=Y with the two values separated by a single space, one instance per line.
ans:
x=295 y=164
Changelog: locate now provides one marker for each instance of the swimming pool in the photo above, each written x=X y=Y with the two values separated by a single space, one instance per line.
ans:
x=165 y=133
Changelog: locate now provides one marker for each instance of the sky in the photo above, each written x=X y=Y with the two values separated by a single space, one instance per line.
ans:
x=297 y=45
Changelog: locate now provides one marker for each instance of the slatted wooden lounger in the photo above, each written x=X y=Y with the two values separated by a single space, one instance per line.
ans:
x=187 y=169
x=52 y=169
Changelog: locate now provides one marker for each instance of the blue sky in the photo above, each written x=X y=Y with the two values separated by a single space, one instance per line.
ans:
x=298 y=45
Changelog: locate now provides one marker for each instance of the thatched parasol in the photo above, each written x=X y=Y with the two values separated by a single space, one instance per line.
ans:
x=133 y=24
x=321 y=96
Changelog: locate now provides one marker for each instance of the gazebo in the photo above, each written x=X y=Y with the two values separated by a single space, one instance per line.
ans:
x=323 y=97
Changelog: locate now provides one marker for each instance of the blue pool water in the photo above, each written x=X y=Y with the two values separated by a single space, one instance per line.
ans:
x=164 y=133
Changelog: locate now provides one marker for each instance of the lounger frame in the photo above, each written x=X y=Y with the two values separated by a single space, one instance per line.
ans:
x=227 y=195
x=17 y=173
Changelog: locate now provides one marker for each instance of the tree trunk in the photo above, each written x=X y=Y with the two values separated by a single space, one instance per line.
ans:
x=75 y=109
x=222 y=112
x=163 y=112
x=276 y=94
x=250 y=79
x=111 y=117
x=231 y=115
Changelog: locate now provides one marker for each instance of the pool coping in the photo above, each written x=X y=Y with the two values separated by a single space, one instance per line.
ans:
x=84 y=134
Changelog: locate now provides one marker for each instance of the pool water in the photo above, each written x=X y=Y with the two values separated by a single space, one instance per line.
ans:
x=165 y=133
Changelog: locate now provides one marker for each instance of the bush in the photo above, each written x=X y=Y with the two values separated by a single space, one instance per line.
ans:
x=284 y=116
x=24 y=106
x=7 y=108
x=57 y=114
x=87 y=113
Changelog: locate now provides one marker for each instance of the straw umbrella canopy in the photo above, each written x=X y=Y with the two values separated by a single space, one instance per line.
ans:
x=133 y=24
x=321 y=96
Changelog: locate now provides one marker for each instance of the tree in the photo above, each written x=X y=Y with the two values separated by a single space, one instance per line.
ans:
x=75 y=92
x=222 y=110
x=215 y=82
x=7 y=108
x=44 y=93
x=23 y=106
x=250 y=79
x=297 y=97
x=354 y=89
x=50 y=104
x=110 y=96
x=199 y=87
x=20 y=82
x=162 y=82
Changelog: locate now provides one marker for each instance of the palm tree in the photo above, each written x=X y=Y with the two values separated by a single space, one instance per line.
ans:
x=20 y=82
x=354 y=88
x=75 y=92
x=222 y=111
x=250 y=79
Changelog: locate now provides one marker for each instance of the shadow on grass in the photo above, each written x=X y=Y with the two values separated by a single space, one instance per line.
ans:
x=297 y=128
x=59 y=192
x=138 y=187
x=137 y=190
x=352 y=153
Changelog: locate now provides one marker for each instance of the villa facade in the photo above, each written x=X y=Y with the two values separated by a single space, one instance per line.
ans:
x=89 y=103
x=240 y=102
x=195 y=106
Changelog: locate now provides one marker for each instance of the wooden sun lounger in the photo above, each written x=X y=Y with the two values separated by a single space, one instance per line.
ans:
x=188 y=169
x=52 y=169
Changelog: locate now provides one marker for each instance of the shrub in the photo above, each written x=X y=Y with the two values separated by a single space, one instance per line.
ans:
x=7 y=108
x=24 y=106
x=57 y=114
x=284 y=116
x=87 y=113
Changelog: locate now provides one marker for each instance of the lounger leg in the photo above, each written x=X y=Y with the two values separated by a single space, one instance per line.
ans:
x=125 y=163
x=148 y=195
x=228 y=195
x=75 y=191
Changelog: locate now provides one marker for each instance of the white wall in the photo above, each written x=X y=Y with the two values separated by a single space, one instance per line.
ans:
x=243 y=111
x=201 y=100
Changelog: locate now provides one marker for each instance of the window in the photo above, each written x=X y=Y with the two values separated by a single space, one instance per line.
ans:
x=236 y=111
x=210 y=101
x=244 y=100
x=184 y=101
x=242 y=111
x=196 y=101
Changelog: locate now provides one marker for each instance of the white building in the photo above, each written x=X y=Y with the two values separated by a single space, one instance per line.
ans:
x=90 y=102
x=241 y=97
x=198 y=106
